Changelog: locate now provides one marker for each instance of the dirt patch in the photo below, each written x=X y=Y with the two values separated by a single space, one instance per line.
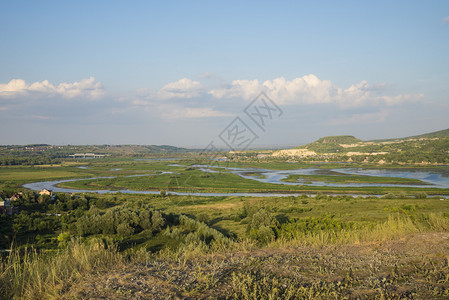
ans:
x=217 y=205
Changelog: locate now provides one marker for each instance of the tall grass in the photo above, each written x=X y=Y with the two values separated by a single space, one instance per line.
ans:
x=28 y=274
x=394 y=227
x=31 y=275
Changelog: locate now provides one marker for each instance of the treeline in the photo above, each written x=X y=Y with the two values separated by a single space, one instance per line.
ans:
x=37 y=156
x=41 y=218
x=45 y=154
x=121 y=221
x=29 y=160
x=41 y=214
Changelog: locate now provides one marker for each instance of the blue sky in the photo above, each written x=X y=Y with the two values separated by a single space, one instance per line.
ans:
x=178 y=72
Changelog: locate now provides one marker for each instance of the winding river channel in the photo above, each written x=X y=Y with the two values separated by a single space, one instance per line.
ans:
x=431 y=178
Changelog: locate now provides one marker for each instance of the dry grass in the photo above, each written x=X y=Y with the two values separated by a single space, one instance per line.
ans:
x=398 y=269
x=395 y=227
x=31 y=275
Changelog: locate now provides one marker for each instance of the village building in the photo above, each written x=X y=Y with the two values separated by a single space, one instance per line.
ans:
x=6 y=208
x=16 y=196
x=46 y=192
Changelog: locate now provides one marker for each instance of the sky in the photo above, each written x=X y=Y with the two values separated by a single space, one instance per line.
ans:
x=187 y=73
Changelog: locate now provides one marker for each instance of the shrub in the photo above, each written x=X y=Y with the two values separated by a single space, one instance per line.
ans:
x=420 y=195
x=157 y=221
x=263 y=234
x=125 y=230
x=262 y=227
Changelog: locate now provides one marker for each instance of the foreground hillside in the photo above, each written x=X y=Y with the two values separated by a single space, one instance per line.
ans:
x=413 y=267
x=163 y=247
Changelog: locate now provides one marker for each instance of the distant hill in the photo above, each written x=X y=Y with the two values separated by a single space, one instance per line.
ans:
x=331 y=144
x=436 y=134
x=338 y=139
x=429 y=148
x=135 y=150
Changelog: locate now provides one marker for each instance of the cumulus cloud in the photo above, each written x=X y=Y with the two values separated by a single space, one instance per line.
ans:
x=310 y=89
x=305 y=90
x=86 y=87
x=183 y=88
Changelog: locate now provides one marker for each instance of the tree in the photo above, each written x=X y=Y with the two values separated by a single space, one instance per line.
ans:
x=124 y=230
x=157 y=221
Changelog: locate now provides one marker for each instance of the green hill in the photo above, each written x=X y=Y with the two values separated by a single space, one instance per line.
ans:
x=429 y=148
x=331 y=144
x=436 y=134
x=338 y=139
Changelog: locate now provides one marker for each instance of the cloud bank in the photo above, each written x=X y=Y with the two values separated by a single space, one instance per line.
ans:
x=310 y=89
x=305 y=90
x=84 y=88
x=191 y=99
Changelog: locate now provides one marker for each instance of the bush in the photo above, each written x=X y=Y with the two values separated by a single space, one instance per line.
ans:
x=420 y=195
x=157 y=221
x=262 y=218
x=262 y=227
x=124 y=230
x=129 y=220
x=263 y=234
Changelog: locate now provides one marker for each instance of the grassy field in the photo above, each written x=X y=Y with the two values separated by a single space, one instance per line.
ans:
x=342 y=178
x=120 y=246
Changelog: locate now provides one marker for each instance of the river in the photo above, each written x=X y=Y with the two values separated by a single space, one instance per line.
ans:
x=435 y=178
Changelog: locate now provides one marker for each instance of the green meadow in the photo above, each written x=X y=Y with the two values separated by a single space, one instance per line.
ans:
x=330 y=241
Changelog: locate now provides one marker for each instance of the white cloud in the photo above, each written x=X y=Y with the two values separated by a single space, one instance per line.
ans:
x=446 y=20
x=86 y=87
x=402 y=98
x=305 y=90
x=12 y=87
x=239 y=89
x=183 y=88
x=310 y=89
